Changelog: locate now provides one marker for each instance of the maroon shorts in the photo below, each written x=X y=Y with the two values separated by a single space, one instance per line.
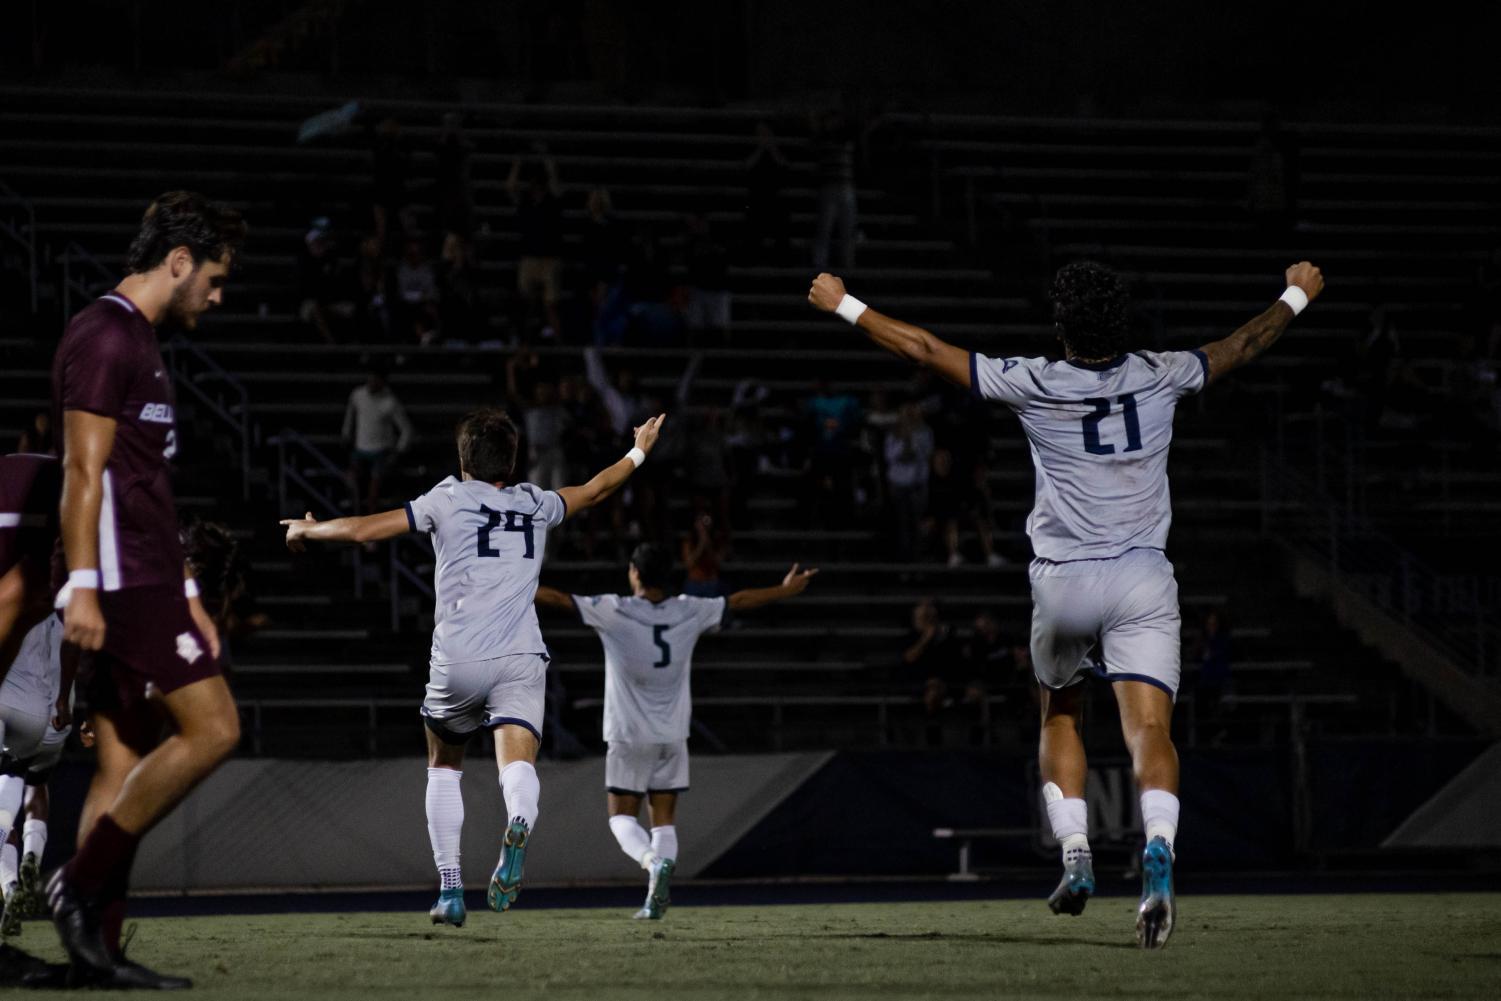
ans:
x=150 y=644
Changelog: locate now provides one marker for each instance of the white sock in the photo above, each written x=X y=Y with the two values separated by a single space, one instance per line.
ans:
x=34 y=839
x=445 y=823
x=10 y=868
x=519 y=786
x=1159 y=815
x=664 y=841
x=1070 y=820
x=633 y=840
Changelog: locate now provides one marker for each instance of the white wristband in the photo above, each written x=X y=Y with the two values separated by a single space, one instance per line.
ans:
x=84 y=578
x=1296 y=298
x=850 y=308
x=636 y=456
x=190 y=587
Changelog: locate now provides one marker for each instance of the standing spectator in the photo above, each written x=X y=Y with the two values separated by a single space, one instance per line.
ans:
x=373 y=281
x=1272 y=194
x=459 y=305
x=417 y=285
x=934 y=655
x=704 y=550
x=604 y=242
x=377 y=430
x=390 y=166
x=455 y=189
x=834 y=149
x=766 y=220
x=956 y=496
x=987 y=658
x=834 y=420
x=708 y=280
x=909 y=451
x=546 y=424
x=620 y=399
x=539 y=224
x=1214 y=671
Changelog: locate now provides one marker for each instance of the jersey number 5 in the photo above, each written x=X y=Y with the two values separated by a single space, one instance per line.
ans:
x=659 y=637
x=515 y=522
x=1101 y=406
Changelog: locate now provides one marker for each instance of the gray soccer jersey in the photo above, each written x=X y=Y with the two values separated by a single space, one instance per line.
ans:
x=648 y=656
x=489 y=543
x=1099 y=435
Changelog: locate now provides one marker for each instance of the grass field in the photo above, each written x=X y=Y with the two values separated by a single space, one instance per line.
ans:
x=1347 y=946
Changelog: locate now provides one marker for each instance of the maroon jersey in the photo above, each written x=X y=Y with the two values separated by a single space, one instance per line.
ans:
x=30 y=488
x=109 y=363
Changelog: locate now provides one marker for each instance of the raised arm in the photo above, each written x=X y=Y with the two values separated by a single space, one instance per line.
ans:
x=795 y=583
x=367 y=528
x=1304 y=283
x=551 y=597
x=912 y=343
x=612 y=478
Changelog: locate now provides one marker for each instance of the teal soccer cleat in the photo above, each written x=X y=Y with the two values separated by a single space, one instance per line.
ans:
x=657 y=891
x=449 y=910
x=1154 y=918
x=505 y=885
x=1076 y=887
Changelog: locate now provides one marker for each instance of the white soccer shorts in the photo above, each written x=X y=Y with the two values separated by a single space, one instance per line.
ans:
x=638 y=769
x=461 y=698
x=1118 y=617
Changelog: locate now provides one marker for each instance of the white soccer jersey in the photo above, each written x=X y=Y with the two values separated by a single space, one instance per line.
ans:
x=489 y=542
x=1099 y=435
x=35 y=677
x=648 y=656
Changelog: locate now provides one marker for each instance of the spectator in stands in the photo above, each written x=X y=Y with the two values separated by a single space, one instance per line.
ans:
x=620 y=398
x=766 y=221
x=1214 y=671
x=539 y=224
x=955 y=496
x=417 y=287
x=390 y=166
x=834 y=422
x=1273 y=187
x=909 y=453
x=933 y=654
x=605 y=241
x=547 y=428
x=704 y=550
x=987 y=662
x=454 y=189
x=708 y=269
x=377 y=431
x=460 y=312
x=834 y=152
x=373 y=282
x=36 y=438
x=323 y=282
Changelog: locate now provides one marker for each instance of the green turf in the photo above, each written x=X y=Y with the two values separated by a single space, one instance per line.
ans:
x=1441 y=946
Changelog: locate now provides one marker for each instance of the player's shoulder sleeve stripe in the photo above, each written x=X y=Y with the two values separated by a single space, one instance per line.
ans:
x=563 y=501
x=974 y=373
x=1203 y=363
x=411 y=518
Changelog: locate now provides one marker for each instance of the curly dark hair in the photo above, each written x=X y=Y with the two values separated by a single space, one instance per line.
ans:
x=222 y=570
x=211 y=231
x=1091 y=307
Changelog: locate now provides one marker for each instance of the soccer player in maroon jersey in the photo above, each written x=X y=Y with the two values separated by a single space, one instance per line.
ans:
x=129 y=597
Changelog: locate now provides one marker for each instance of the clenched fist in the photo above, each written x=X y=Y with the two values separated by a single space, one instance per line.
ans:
x=1307 y=277
x=826 y=292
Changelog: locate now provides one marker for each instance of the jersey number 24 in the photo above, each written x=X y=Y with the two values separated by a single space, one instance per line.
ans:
x=515 y=522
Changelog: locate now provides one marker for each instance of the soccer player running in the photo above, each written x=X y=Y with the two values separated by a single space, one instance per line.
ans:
x=489 y=664
x=1104 y=599
x=130 y=601
x=649 y=639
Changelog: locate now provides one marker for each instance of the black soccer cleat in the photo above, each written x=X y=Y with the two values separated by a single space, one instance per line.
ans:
x=77 y=923
x=128 y=975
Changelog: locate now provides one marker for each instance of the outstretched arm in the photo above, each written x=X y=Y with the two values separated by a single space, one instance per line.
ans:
x=912 y=343
x=612 y=478
x=368 y=528
x=795 y=583
x=551 y=597
x=1241 y=347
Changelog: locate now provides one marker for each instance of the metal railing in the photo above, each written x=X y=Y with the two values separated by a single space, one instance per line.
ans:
x=77 y=265
x=1450 y=611
x=297 y=461
x=194 y=370
x=22 y=233
x=403 y=572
